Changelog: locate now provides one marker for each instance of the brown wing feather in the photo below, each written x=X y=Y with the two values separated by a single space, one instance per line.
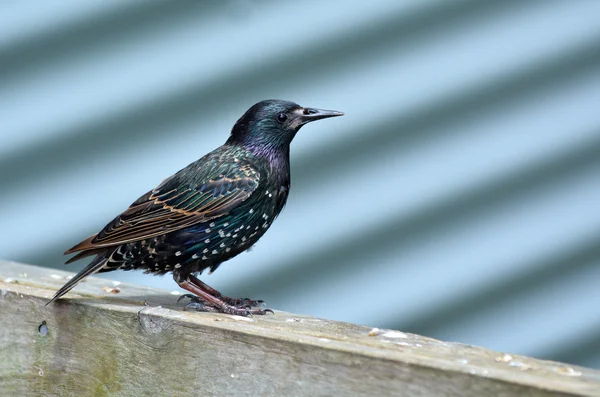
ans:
x=84 y=254
x=172 y=206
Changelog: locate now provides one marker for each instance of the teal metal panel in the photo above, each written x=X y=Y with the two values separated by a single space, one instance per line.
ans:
x=458 y=197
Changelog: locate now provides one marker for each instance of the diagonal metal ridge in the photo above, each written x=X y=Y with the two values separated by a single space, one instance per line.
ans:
x=541 y=271
x=404 y=231
x=396 y=134
x=149 y=120
x=583 y=349
x=402 y=133
x=22 y=57
x=26 y=56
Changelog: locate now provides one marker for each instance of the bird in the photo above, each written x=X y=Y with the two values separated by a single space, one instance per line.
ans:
x=208 y=212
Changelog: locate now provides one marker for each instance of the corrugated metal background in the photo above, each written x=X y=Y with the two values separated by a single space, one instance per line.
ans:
x=458 y=198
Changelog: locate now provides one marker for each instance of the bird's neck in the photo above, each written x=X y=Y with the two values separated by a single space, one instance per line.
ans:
x=265 y=142
x=278 y=158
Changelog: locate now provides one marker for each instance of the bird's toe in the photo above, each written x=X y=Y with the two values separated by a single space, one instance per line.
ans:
x=243 y=302
x=262 y=312
x=192 y=298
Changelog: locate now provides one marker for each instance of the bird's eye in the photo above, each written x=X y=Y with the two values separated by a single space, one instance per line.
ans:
x=281 y=117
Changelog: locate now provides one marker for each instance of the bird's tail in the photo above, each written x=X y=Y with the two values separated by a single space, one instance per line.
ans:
x=97 y=263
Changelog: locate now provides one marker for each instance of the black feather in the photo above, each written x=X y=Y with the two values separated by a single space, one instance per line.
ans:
x=210 y=211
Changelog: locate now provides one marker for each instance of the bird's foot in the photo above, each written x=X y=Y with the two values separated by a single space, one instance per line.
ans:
x=243 y=302
x=199 y=306
x=246 y=312
x=240 y=307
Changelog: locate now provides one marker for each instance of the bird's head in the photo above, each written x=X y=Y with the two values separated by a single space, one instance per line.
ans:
x=272 y=124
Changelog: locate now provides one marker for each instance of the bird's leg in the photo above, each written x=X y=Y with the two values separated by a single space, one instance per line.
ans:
x=237 y=302
x=198 y=288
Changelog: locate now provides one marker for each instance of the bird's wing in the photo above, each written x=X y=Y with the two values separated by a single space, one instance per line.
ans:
x=213 y=192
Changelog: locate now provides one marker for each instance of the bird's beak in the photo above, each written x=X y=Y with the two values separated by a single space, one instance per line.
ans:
x=309 y=114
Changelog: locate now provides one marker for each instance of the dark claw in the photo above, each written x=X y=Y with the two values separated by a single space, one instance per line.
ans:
x=245 y=302
x=261 y=312
x=240 y=307
x=193 y=298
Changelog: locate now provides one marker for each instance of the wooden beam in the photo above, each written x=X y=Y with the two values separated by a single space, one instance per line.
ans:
x=139 y=342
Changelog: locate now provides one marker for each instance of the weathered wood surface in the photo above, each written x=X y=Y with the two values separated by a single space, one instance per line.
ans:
x=140 y=343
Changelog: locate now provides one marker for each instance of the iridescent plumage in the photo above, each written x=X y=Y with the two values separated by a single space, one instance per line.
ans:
x=207 y=213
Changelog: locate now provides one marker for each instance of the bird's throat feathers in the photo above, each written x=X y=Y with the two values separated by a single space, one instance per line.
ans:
x=264 y=139
x=278 y=157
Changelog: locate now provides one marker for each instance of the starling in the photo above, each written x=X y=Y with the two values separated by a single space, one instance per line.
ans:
x=208 y=212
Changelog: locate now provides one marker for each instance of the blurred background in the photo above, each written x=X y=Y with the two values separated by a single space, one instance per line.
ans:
x=458 y=198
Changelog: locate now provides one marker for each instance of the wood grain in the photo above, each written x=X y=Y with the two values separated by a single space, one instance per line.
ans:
x=140 y=343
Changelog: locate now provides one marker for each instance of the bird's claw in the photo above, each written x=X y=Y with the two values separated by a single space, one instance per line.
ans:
x=242 y=302
x=239 y=306
x=260 y=303
x=193 y=298
x=236 y=302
